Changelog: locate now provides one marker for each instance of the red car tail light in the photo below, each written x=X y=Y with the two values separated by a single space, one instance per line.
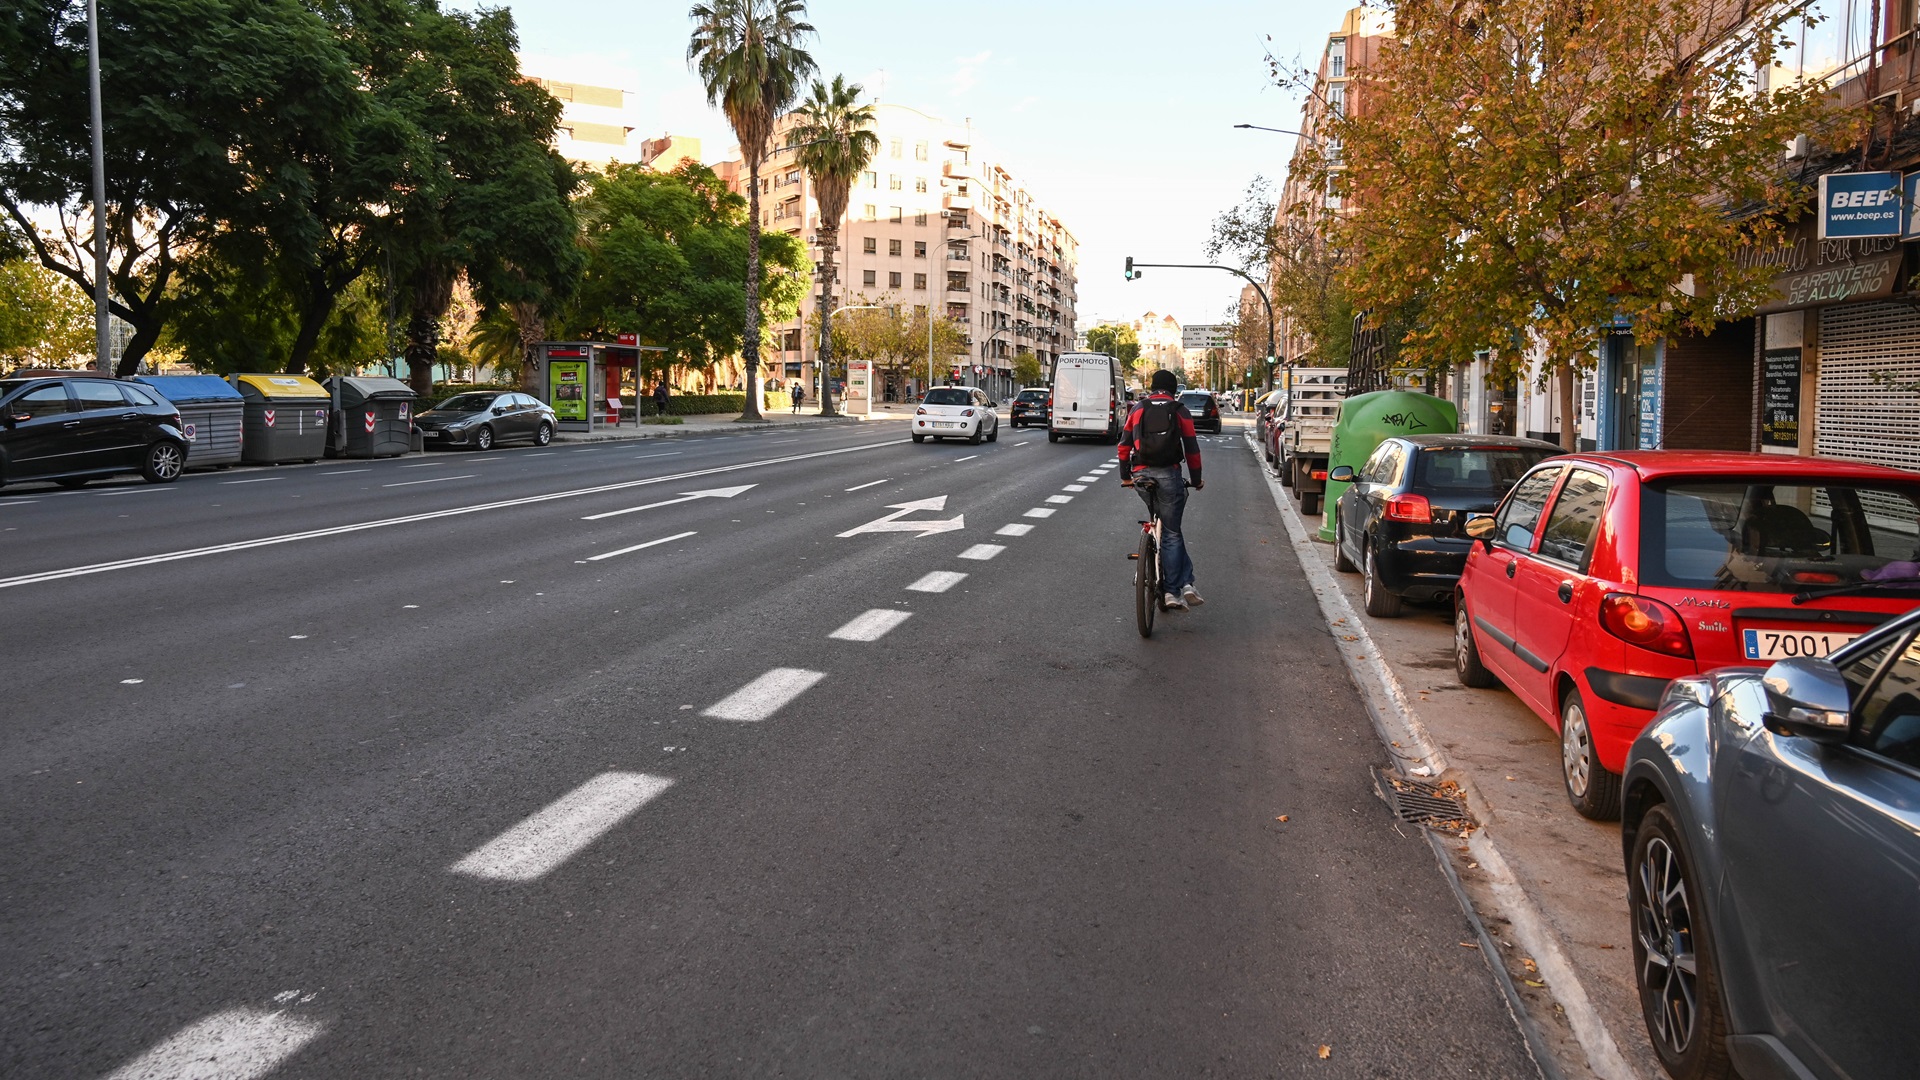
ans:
x=1648 y=623
x=1409 y=508
x=968 y=412
x=1815 y=577
x=920 y=411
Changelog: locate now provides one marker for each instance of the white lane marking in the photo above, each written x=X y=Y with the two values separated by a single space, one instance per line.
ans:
x=255 y=480
x=432 y=515
x=765 y=695
x=543 y=453
x=19 y=502
x=637 y=547
x=136 y=491
x=1074 y=487
x=345 y=472
x=1059 y=499
x=969 y=457
x=670 y=453
x=983 y=552
x=562 y=828
x=238 y=1044
x=424 y=464
x=431 y=480
x=1019 y=444
x=872 y=625
x=1036 y=512
x=1089 y=479
x=588 y=450
x=1013 y=530
x=131 y=682
x=938 y=581
x=711 y=493
x=925 y=527
x=863 y=487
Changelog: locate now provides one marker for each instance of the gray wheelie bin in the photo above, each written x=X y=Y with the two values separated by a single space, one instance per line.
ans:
x=286 y=418
x=378 y=414
x=211 y=412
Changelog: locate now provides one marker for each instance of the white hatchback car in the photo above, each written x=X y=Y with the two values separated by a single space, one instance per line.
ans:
x=956 y=412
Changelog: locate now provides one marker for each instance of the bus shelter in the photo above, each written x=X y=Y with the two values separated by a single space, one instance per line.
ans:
x=593 y=384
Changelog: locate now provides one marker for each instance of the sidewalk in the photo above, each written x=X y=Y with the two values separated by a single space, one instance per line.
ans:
x=1547 y=882
x=707 y=424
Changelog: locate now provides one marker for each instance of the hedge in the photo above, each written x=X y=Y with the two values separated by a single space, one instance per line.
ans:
x=697 y=404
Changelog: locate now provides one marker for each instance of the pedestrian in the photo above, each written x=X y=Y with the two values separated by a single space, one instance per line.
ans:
x=799 y=396
x=660 y=396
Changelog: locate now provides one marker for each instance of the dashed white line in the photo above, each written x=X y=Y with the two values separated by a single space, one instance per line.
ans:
x=863 y=487
x=345 y=472
x=255 y=480
x=1039 y=512
x=765 y=695
x=1019 y=444
x=1013 y=530
x=637 y=547
x=431 y=480
x=1059 y=499
x=1089 y=479
x=969 y=457
x=559 y=831
x=19 y=502
x=422 y=464
x=588 y=450
x=670 y=453
x=983 y=552
x=238 y=1044
x=1074 y=487
x=543 y=453
x=938 y=581
x=871 y=625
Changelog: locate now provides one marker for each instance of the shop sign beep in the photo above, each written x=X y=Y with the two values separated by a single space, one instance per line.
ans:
x=1858 y=206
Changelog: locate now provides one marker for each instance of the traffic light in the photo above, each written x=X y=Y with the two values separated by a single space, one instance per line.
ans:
x=1131 y=272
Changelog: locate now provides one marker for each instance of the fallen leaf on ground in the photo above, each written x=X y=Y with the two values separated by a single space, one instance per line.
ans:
x=1282 y=817
x=1532 y=982
x=1606 y=946
x=1325 y=1052
x=1527 y=962
x=1468 y=945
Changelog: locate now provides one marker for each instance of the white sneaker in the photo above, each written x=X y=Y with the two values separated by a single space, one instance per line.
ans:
x=1192 y=596
x=1172 y=602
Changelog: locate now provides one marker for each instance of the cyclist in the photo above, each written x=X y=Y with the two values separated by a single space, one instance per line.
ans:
x=1157 y=435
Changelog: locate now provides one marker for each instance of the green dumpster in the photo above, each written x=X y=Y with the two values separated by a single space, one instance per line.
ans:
x=1367 y=420
x=286 y=418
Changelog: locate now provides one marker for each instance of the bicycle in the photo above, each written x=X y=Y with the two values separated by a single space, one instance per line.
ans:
x=1146 y=570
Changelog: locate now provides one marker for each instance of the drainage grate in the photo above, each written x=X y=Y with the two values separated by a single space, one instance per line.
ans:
x=1422 y=802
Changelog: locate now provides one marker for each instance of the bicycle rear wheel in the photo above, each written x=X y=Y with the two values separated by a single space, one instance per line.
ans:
x=1146 y=584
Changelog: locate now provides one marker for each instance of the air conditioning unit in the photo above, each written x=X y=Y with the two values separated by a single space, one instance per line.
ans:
x=1798 y=147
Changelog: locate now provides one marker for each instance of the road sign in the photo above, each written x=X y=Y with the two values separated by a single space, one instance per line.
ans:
x=892 y=522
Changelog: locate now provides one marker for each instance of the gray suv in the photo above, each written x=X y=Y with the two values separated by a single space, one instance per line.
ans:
x=72 y=429
x=1772 y=840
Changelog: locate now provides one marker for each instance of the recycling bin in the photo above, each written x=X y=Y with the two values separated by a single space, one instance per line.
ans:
x=211 y=413
x=285 y=420
x=378 y=415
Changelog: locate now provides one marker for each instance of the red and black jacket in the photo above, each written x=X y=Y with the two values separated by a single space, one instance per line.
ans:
x=1183 y=423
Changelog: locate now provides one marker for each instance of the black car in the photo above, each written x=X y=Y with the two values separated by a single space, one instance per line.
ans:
x=1030 y=407
x=481 y=418
x=1205 y=409
x=1403 y=520
x=75 y=428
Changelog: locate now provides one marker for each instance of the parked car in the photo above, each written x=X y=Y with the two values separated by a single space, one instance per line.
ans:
x=1030 y=406
x=1205 y=409
x=956 y=412
x=1264 y=408
x=1604 y=575
x=1403 y=522
x=483 y=418
x=74 y=429
x=1772 y=842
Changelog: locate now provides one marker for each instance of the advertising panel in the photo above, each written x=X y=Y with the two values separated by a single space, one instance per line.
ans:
x=1780 y=397
x=1857 y=206
x=567 y=389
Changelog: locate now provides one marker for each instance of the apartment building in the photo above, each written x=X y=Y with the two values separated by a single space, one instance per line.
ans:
x=935 y=222
x=596 y=122
x=1161 y=343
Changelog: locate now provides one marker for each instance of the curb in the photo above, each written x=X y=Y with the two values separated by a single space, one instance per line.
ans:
x=1406 y=739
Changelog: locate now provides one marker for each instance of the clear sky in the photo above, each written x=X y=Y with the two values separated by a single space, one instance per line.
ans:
x=1118 y=115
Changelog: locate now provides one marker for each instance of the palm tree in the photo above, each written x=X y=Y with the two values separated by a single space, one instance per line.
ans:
x=836 y=141
x=748 y=54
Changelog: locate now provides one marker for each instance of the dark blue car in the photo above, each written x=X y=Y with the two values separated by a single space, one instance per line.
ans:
x=1772 y=842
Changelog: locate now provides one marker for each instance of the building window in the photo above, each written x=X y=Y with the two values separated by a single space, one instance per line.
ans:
x=894 y=149
x=956 y=281
x=867 y=277
x=893 y=247
x=1337 y=99
x=792 y=343
x=920 y=218
x=919 y=249
x=893 y=181
x=893 y=280
x=1337 y=58
x=920 y=184
x=872 y=212
x=919 y=151
x=869 y=245
x=898 y=213
x=920 y=282
x=872 y=178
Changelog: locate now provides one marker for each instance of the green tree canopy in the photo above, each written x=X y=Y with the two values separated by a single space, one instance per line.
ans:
x=1118 y=341
x=45 y=320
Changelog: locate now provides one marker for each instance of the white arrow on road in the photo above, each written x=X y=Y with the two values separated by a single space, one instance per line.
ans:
x=711 y=493
x=925 y=527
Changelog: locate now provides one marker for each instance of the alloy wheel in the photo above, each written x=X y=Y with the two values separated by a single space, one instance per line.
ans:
x=1462 y=639
x=1669 y=976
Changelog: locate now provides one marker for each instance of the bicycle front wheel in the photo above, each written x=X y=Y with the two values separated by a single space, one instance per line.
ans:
x=1146 y=584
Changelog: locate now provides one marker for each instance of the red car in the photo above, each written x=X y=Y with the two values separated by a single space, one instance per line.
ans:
x=1604 y=575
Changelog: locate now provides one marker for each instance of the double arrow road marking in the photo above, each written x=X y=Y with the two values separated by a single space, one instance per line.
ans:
x=924 y=526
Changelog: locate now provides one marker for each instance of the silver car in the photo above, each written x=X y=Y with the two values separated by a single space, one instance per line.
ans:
x=481 y=418
x=1772 y=841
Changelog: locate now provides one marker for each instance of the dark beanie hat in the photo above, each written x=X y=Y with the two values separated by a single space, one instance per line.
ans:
x=1165 y=380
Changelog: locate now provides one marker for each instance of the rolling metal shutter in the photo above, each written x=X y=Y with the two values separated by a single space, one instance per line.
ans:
x=1854 y=417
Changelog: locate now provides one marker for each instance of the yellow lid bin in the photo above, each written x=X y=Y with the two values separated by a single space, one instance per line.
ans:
x=286 y=418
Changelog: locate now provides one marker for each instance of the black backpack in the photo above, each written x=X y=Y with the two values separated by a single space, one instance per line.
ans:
x=1156 y=435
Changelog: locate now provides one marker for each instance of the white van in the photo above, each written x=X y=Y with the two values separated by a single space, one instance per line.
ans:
x=1089 y=397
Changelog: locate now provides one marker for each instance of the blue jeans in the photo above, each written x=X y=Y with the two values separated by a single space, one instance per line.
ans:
x=1170 y=502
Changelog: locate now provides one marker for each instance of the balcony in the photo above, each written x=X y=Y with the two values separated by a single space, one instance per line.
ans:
x=957 y=202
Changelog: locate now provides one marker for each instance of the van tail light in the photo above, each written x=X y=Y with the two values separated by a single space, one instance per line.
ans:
x=1648 y=623
x=1409 y=508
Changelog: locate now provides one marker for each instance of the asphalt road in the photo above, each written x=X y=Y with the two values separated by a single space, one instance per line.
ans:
x=421 y=767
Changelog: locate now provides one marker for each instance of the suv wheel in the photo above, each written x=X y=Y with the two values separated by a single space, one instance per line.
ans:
x=1592 y=790
x=1341 y=564
x=162 y=463
x=1674 y=965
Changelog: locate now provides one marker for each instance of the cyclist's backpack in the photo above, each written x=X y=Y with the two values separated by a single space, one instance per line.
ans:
x=1156 y=435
